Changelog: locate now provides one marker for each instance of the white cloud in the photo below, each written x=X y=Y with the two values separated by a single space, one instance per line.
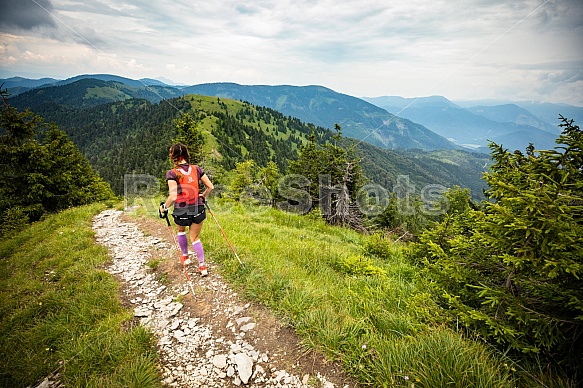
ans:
x=460 y=49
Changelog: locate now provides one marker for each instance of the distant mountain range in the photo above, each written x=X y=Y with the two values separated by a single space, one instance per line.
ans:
x=122 y=127
x=391 y=122
x=311 y=104
x=512 y=124
x=322 y=106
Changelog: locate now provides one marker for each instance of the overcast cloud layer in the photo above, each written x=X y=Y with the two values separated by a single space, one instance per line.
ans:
x=470 y=49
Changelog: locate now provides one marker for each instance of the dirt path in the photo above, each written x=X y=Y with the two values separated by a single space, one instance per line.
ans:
x=211 y=339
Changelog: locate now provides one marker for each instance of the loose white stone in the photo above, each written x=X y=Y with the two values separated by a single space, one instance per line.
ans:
x=178 y=334
x=254 y=354
x=258 y=371
x=220 y=361
x=242 y=320
x=163 y=302
x=192 y=322
x=236 y=348
x=142 y=312
x=175 y=309
x=244 y=367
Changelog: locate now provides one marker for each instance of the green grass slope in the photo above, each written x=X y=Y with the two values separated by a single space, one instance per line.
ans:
x=132 y=136
x=351 y=296
x=348 y=295
x=59 y=311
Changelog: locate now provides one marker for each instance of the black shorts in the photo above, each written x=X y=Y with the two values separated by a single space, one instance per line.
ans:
x=188 y=215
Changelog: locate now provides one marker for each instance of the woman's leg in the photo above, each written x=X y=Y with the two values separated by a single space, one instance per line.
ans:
x=183 y=243
x=194 y=232
x=182 y=240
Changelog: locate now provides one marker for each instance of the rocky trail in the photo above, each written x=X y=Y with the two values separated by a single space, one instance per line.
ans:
x=214 y=338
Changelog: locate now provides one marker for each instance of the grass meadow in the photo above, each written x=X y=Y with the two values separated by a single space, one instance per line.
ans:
x=351 y=296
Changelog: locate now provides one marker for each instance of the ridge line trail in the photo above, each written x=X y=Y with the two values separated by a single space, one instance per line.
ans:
x=214 y=339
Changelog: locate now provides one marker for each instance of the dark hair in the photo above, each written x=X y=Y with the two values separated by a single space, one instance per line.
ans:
x=179 y=152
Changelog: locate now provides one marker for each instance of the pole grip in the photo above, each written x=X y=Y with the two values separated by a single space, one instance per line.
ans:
x=163 y=215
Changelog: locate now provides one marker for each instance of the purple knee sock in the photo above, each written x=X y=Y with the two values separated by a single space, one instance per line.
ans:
x=197 y=246
x=183 y=242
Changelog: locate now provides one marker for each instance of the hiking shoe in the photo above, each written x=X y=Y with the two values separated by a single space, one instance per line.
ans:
x=184 y=260
x=202 y=270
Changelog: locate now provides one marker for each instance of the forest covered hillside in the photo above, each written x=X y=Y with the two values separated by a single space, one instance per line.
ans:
x=322 y=106
x=121 y=135
x=315 y=105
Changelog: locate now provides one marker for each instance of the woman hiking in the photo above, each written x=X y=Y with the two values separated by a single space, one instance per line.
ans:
x=184 y=194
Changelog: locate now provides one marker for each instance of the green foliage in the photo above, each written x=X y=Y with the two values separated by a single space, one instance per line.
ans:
x=189 y=134
x=244 y=176
x=457 y=200
x=12 y=220
x=512 y=272
x=332 y=171
x=42 y=176
x=251 y=185
x=358 y=265
x=378 y=246
x=406 y=216
x=268 y=177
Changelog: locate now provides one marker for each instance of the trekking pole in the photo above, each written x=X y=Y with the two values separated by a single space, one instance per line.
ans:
x=176 y=246
x=224 y=235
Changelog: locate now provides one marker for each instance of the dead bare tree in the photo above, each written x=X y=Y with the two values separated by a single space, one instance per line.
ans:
x=345 y=213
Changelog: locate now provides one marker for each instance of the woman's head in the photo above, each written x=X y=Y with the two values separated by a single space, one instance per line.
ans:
x=179 y=152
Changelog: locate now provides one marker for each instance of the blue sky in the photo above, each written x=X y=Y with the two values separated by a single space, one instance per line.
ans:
x=471 y=49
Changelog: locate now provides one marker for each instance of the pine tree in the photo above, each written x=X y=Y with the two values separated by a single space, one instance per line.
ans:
x=513 y=272
x=243 y=177
x=40 y=177
x=267 y=179
x=189 y=134
x=335 y=177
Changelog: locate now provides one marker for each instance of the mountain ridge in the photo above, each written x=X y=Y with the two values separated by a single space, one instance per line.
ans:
x=466 y=124
x=313 y=104
x=131 y=135
x=512 y=125
x=322 y=106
